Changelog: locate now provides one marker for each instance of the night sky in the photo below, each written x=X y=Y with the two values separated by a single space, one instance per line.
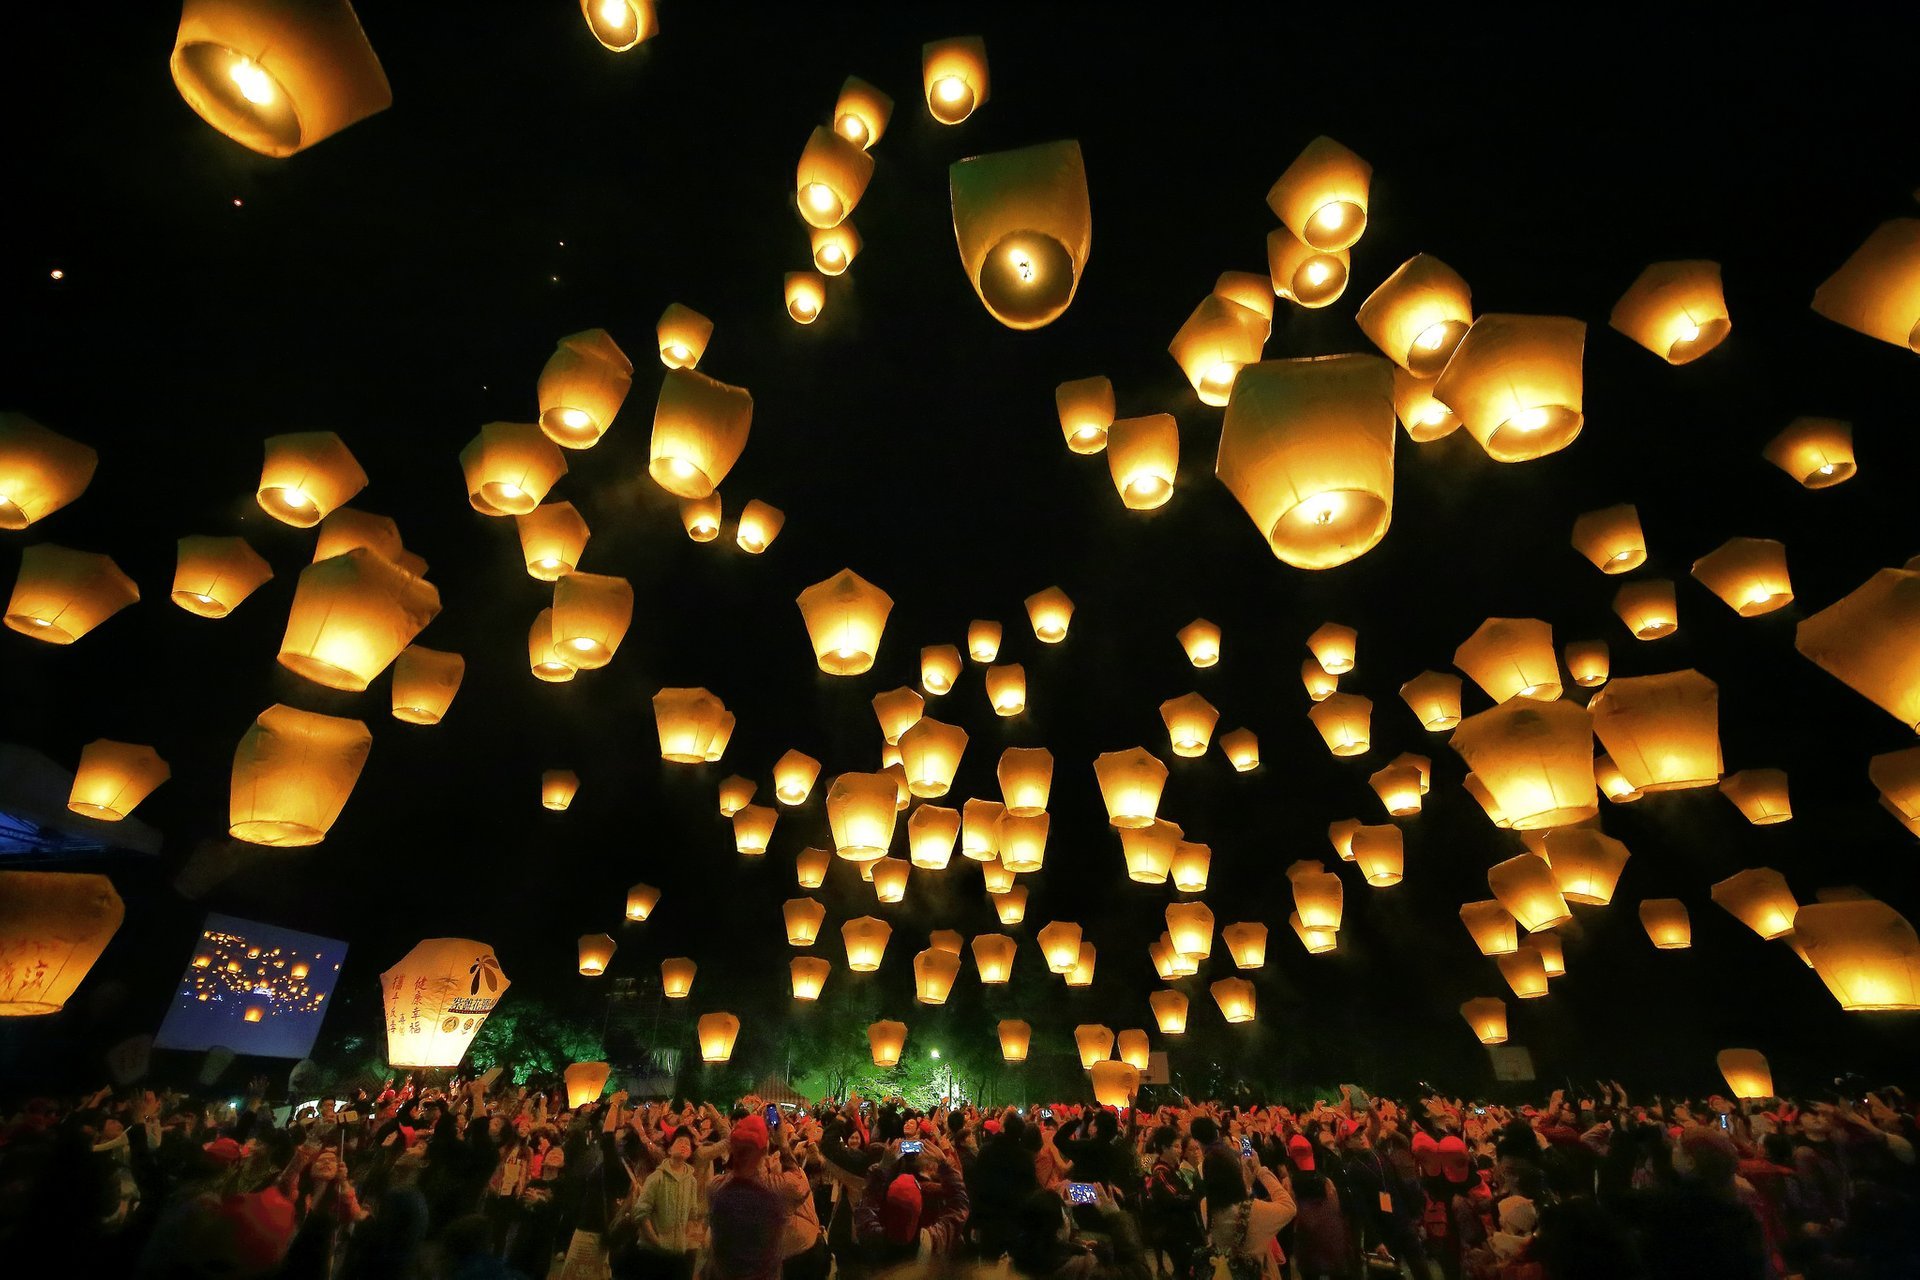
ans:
x=403 y=282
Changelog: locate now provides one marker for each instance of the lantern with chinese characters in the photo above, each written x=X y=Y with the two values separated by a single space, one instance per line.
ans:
x=1217 y=340
x=931 y=832
x=1511 y=658
x=1663 y=732
x=810 y=867
x=1131 y=1047
x=436 y=999
x=1322 y=195
x=1130 y=784
x=831 y=177
x=1876 y=291
x=1525 y=886
x=1746 y=1072
x=1060 y=943
x=866 y=942
x=42 y=471
x=1865 y=951
x=889 y=878
x=1750 y=574
x=1381 y=854
x=1303 y=275
x=1095 y=1043
x=1190 y=720
x=1648 y=608
x=1010 y=906
x=676 y=977
x=1675 y=310
x=1343 y=719
x=1492 y=926
x=933 y=973
x=1418 y=315
x=1024 y=227
x=1015 y=1039
x=736 y=792
x=114 y=777
x=1050 y=612
x=931 y=750
x=753 y=829
x=1525 y=971
x=557 y=788
x=213 y=575
x=808 y=974
x=793 y=777
x=803 y=917
x=1114 y=1083
x=939 y=668
x=54 y=926
x=953 y=77
x=1007 y=688
x=1318 y=896
x=292 y=773
x=1026 y=780
x=641 y=900
x=1169 y=1011
x=1516 y=382
x=596 y=953
x=1246 y=943
x=1423 y=416
x=61 y=594
x=845 y=615
x=1242 y=749
x=1869 y=640
x=351 y=617
x=687 y=720
x=1586 y=864
x=717 y=1033
x=1759 y=794
x=1143 y=455
x=1534 y=759
x=1435 y=698
x=1611 y=538
x=1189 y=866
x=1487 y=1015
x=582 y=387
x=759 y=525
x=700 y=428
x=993 y=956
x=683 y=334
x=1085 y=406
x=1818 y=452
x=1149 y=851
x=1190 y=928
x=1235 y=998
x=541 y=655
x=1666 y=923
x=1760 y=899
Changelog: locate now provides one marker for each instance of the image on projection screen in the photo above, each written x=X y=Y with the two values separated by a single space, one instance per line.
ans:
x=254 y=988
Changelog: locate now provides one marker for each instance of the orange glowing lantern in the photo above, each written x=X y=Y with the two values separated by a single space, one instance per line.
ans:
x=1190 y=722
x=1216 y=342
x=808 y=975
x=113 y=778
x=1866 y=952
x=1525 y=971
x=213 y=575
x=736 y=792
x=1343 y=719
x=1190 y=928
x=1050 y=612
x=1759 y=794
x=810 y=867
x=934 y=971
x=1663 y=732
x=1492 y=926
x=1242 y=749
x=1421 y=414
x=861 y=112
x=700 y=428
x=1024 y=228
x=930 y=752
x=1189 y=866
x=1487 y=1015
x=292 y=773
x=41 y=471
x=1149 y=851
x=558 y=788
x=1322 y=195
x=1586 y=864
x=1876 y=291
x=1011 y=906
x=993 y=956
x=1235 y=998
x=759 y=525
x=1535 y=761
x=1303 y=275
x=591 y=614
x=1169 y=1012
x=931 y=832
x=845 y=615
x=889 y=878
x=953 y=76
x=1015 y=1039
x=1246 y=943
x=1611 y=538
x=1418 y=315
x=1318 y=896
x=1026 y=780
x=1060 y=943
x=61 y=594
x=1085 y=406
x=351 y=617
x=1130 y=784
x=831 y=177
x=1667 y=923
x=1675 y=310
x=980 y=830
x=683 y=334
x=641 y=900
x=939 y=668
x=1435 y=698
x=1750 y=574
x=582 y=387
x=1381 y=854
x=1588 y=662
x=1143 y=455
x=1760 y=899
x=1817 y=452
x=596 y=953
x=753 y=829
x=717 y=1033
x=866 y=942
x=1869 y=640
x=1511 y=658
x=688 y=721
x=803 y=917
x=1526 y=887
x=1516 y=382
x=541 y=655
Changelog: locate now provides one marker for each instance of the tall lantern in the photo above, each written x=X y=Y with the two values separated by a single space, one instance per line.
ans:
x=641 y=900
x=1246 y=943
x=993 y=956
x=1586 y=864
x=1611 y=538
x=1307 y=449
x=1200 y=640
x=759 y=525
x=1114 y=1083
x=1242 y=749
x=1423 y=416
x=1306 y=276
x=557 y=788
x=861 y=112
x=591 y=614
x=1876 y=291
x=1085 y=406
x=1343 y=720
x=939 y=668
x=931 y=832
x=1060 y=943
x=933 y=975
x=1149 y=851
x=1492 y=926
x=582 y=387
x=1143 y=455
x=292 y=773
x=1535 y=760
x=1190 y=928
x=596 y=953
x=213 y=575
x=889 y=876
x=1667 y=923
x=931 y=751
x=832 y=176
x=61 y=594
x=683 y=334
x=1016 y=1037
x=1190 y=721
x=53 y=928
x=1050 y=612
x=1759 y=794
x=1130 y=784
x=1675 y=310
x=1818 y=452
x=1095 y=1043
x=1316 y=941
x=808 y=974
x=113 y=778
x=1511 y=658
x=687 y=720
x=1750 y=574
x=753 y=829
x=1662 y=731
x=1588 y=662
x=1526 y=888
x=1434 y=697
x=1516 y=381
x=1169 y=1011
x=1318 y=896
x=509 y=468
x=1010 y=906
x=1865 y=951
x=1418 y=315
x=700 y=428
x=1189 y=866
x=1759 y=898
x=1026 y=780
x=793 y=777
x=866 y=942
x=1340 y=836
x=436 y=999
x=1235 y=998
x=1322 y=195
x=810 y=867
x=41 y=471
x=552 y=538
x=1131 y=1047
x=1081 y=975
x=845 y=615
x=717 y=1033
x=1381 y=854
x=1869 y=640
x=1024 y=228
x=1007 y=688
x=803 y=918
x=980 y=829
x=351 y=617
x=1746 y=1072
x=1648 y=608
x=676 y=977
x=1487 y=1015
x=806 y=295
x=833 y=248
x=1525 y=971
x=953 y=76
x=1219 y=339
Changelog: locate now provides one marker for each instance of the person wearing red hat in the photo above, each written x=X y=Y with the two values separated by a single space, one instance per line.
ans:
x=1322 y=1244
x=746 y=1215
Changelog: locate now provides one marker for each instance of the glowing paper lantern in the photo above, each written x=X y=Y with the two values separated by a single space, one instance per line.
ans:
x=1492 y=926
x=1169 y=1011
x=1201 y=641
x=277 y=78
x=1307 y=449
x=808 y=975
x=1095 y=1043
x=1534 y=759
x=1316 y=941
x=1149 y=851
x=1318 y=896
x=1675 y=310
x=1011 y=906
x=1586 y=864
x=1760 y=899
x=1114 y=1083
x=1060 y=942
x=1024 y=228
x=866 y=942
x=1081 y=975
x=845 y=615
x=1340 y=835
x=683 y=334
x=557 y=788
x=736 y=792
x=1869 y=640
x=983 y=640
x=1217 y=340
x=552 y=538
x=1322 y=195
x=1007 y=688
x=641 y=900
x=803 y=917
x=950 y=941
x=1897 y=775
x=1746 y=1073
x=939 y=668
x=1588 y=662
x=1306 y=276
x=753 y=829
x=1648 y=608
x=113 y=778
x=1750 y=574
x=717 y=1033
x=1876 y=291
x=1190 y=928
x=306 y=475
x=687 y=721
x=1818 y=452
x=509 y=468
x=993 y=956
x=889 y=877
x=793 y=777
x=1418 y=315
x=1343 y=719
x=292 y=773
x=1613 y=783
x=541 y=655
x=810 y=867
x=1511 y=658
x=1190 y=720
x=861 y=112
x=1487 y=1015
x=620 y=25
x=53 y=928
x=41 y=471
x=1485 y=799
x=1334 y=647
x=1421 y=414
x=953 y=75
x=1516 y=381
x=1663 y=732
x=676 y=977
x=1381 y=854
x=1666 y=923
x=1611 y=538
x=347 y=529
x=1189 y=865
x=1525 y=971
x=1015 y=1039
x=1435 y=698
x=582 y=387
x=1246 y=943
x=1526 y=887
x=596 y=953
x=1242 y=748
x=1050 y=612
x=931 y=832
x=1143 y=455
x=1398 y=786
x=930 y=751
x=1235 y=998
x=700 y=428
x=1026 y=780
x=832 y=176
x=351 y=617
x=1759 y=794
x=1132 y=1048
x=1178 y=963
x=806 y=295
x=1865 y=951
x=701 y=517
x=1085 y=406
x=759 y=525
x=591 y=614
x=833 y=248
x=436 y=999
x=980 y=829
x=212 y=575
x=1130 y=784
x=61 y=594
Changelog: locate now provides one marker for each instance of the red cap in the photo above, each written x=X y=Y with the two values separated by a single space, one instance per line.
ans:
x=900 y=1217
x=224 y=1150
x=749 y=1131
x=1300 y=1151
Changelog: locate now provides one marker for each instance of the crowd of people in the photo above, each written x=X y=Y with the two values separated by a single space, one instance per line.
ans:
x=481 y=1179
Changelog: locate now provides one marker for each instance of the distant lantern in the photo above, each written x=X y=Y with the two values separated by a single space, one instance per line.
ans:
x=114 y=777
x=42 y=471
x=861 y=112
x=1007 y=688
x=1398 y=786
x=931 y=751
x=1662 y=731
x=1169 y=1011
x=61 y=594
x=1149 y=851
x=931 y=832
x=292 y=773
x=509 y=468
x=582 y=387
x=1085 y=406
x=1760 y=899
x=1143 y=455
x=1024 y=228
x=845 y=615
x=1492 y=926
x=1876 y=291
x=808 y=974
x=1418 y=315
x=1869 y=640
x=1525 y=971
x=1317 y=895
x=683 y=334
x=1010 y=906
x=1322 y=195
x=1190 y=928
x=541 y=655
x=1189 y=866
x=212 y=575
x=1190 y=721
x=1666 y=923
x=759 y=525
x=993 y=956
x=1095 y=1043
x=1511 y=658
x=1648 y=608
x=934 y=971
x=866 y=942
x=1219 y=338
x=436 y=999
x=939 y=668
x=1340 y=835
x=1677 y=310
x=596 y=953
x=831 y=177
x=983 y=640
x=1235 y=998
x=1060 y=943
x=687 y=720
x=351 y=617
x=307 y=474
x=1081 y=975
x=1307 y=449
x=753 y=829
x=803 y=917
x=700 y=428
x=1526 y=888
x=641 y=900
x=1306 y=276
x=1050 y=612
x=1026 y=780
x=806 y=295
x=1334 y=646
x=1343 y=721
x=1759 y=794
x=736 y=792
x=1588 y=662
x=1316 y=941
x=277 y=78
x=1131 y=1047
x=1865 y=951
x=425 y=682
x=1246 y=943
x=1612 y=783
x=1746 y=1072
x=953 y=75
x=1016 y=1037
x=1434 y=697
x=1586 y=864
x=793 y=777
x=889 y=878
x=1114 y=1083
x=1201 y=641
x=1381 y=854
x=1487 y=1015
x=1130 y=784
x=717 y=1033
x=557 y=788
x=676 y=977
x=1242 y=749
x=1818 y=452
x=980 y=829
x=1534 y=759
x=1611 y=538
x=1516 y=383
x=810 y=867
x=1750 y=574
x=1421 y=414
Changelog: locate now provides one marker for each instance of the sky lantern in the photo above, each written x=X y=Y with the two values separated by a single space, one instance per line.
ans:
x=641 y=900
x=509 y=468
x=1381 y=854
x=980 y=829
x=1421 y=414
x=1492 y=926
x=1050 y=611
x=1526 y=887
x=1869 y=640
x=934 y=971
x=758 y=526
x=114 y=777
x=1750 y=574
x=1516 y=383
x=736 y=792
x=717 y=1033
x=861 y=810
x=832 y=176
x=552 y=538
x=1662 y=731
x=951 y=941
x=1398 y=786
x=953 y=75
x=793 y=777
x=1316 y=941
x=1114 y=1083
x=1246 y=943
x=939 y=668
x=1511 y=658
x=1081 y=975
x=1160 y=951
x=436 y=998
x=1434 y=698
x=1179 y=964
x=897 y=710
x=1318 y=895
x=347 y=529
x=1612 y=783
x=1095 y=1043
x=1897 y=775
x=700 y=428
x=1487 y=1015
x=808 y=974
x=213 y=575
x=1586 y=864
x=1535 y=760
x=930 y=751
x=1676 y=310
x=1343 y=720
x=1130 y=783
x=1010 y=906
x=1217 y=340
x=1759 y=794
x=1132 y=1048
x=1525 y=971
x=1201 y=641
x=1235 y=998
x=1242 y=749
x=1024 y=228
x=1588 y=662
x=596 y=953
x=687 y=720
x=1648 y=608
x=993 y=955
x=591 y=614
x=845 y=615
x=1007 y=688
x=41 y=471
x=1865 y=951
x=1060 y=943
x=1169 y=1011
x=1190 y=928
x=1553 y=954
x=277 y=78
x=351 y=616
x=1303 y=275
x=292 y=773
x=683 y=334
x=1149 y=851
x=810 y=867
x=861 y=112
x=806 y=295
x=1015 y=1039
x=1472 y=785
x=931 y=832
x=1746 y=1072
x=753 y=829
x=1026 y=780
x=1334 y=646
x=1666 y=923
x=1143 y=456
x=983 y=640
x=542 y=657
x=582 y=387
x=1418 y=315
x=1189 y=866
x=1340 y=836
x=1611 y=538
x=1759 y=898
x=1818 y=452
x=1190 y=721
x=61 y=594
x=1085 y=406
x=558 y=788
x=1876 y=291
x=1322 y=195
x=889 y=878
x=866 y=942
x=307 y=475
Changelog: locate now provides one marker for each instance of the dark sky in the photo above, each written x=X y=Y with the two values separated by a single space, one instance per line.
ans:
x=404 y=281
